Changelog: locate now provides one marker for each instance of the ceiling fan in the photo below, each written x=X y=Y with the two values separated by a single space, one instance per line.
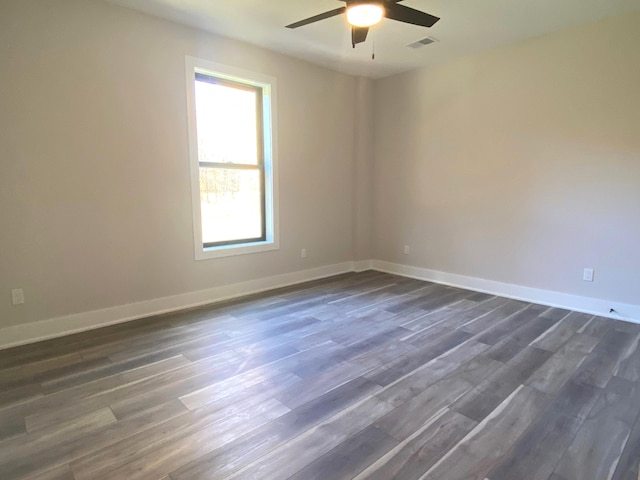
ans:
x=362 y=14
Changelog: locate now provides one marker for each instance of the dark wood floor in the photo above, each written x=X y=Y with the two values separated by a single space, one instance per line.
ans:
x=359 y=376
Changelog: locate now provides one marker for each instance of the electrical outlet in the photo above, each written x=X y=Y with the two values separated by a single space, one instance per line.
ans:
x=587 y=275
x=407 y=249
x=303 y=253
x=17 y=296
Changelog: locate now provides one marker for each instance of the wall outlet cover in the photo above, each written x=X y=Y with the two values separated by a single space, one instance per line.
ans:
x=17 y=296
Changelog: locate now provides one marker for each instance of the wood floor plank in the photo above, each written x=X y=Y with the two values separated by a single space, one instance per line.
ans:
x=481 y=323
x=11 y=425
x=73 y=447
x=166 y=343
x=349 y=458
x=434 y=291
x=478 y=369
x=483 y=308
x=512 y=343
x=561 y=366
x=265 y=377
x=374 y=295
x=32 y=453
x=102 y=370
x=221 y=416
x=535 y=455
x=626 y=326
x=419 y=338
x=562 y=331
x=176 y=453
x=412 y=415
x=67 y=404
x=427 y=352
x=23 y=393
x=420 y=451
x=425 y=320
x=483 y=399
x=303 y=392
x=421 y=378
x=48 y=370
x=467 y=302
x=63 y=398
x=480 y=296
x=629 y=365
x=293 y=456
x=243 y=451
x=59 y=473
x=357 y=327
x=366 y=375
x=510 y=326
x=373 y=343
x=385 y=355
x=555 y=313
x=275 y=326
x=310 y=362
x=476 y=454
x=409 y=285
x=599 y=366
x=598 y=327
x=440 y=301
x=612 y=418
x=629 y=463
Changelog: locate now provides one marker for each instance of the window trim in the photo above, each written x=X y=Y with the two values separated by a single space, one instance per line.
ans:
x=267 y=85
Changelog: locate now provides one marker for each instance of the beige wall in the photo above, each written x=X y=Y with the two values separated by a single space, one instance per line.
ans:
x=363 y=173
x=520 y=165
x=95 y=202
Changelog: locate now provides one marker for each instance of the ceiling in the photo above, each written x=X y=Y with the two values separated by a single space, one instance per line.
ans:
x=466 y=27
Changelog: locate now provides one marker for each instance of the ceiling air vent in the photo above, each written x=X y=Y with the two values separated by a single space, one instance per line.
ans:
x=423 y=42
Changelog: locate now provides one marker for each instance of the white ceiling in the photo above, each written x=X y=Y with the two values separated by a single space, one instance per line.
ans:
x=466 y=26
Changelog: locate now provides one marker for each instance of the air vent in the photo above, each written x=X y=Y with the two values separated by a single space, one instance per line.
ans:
x=423 y=42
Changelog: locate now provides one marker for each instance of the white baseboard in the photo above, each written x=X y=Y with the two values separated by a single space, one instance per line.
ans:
x=66 y=325
x=362 y=265
x=594 y=306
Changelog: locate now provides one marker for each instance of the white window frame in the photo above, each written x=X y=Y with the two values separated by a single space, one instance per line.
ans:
x=268 y=86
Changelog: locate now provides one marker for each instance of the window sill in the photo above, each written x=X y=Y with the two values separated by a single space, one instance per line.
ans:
x=238 y=249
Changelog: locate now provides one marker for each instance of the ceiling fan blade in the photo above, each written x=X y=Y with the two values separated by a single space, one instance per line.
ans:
x=319 y=17
x=404 y=14
x=358 y=35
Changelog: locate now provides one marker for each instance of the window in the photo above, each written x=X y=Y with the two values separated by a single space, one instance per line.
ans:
x=232 y=159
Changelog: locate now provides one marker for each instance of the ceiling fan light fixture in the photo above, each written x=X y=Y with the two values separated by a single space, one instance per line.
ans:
x=364 y=14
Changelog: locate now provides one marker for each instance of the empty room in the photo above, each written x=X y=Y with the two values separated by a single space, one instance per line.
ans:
x=319 y=239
